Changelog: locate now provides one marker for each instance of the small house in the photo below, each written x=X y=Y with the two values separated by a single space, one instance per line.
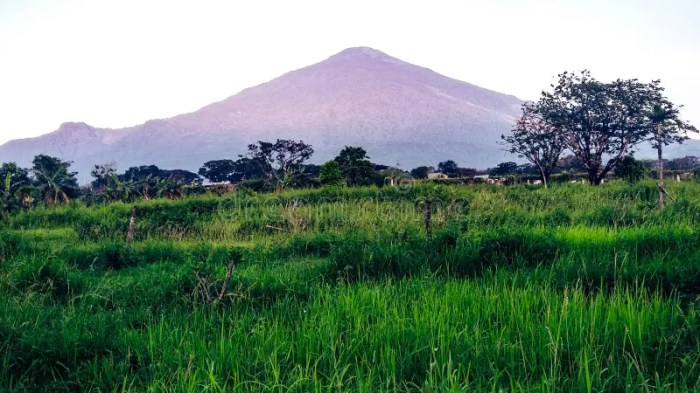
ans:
x=436 y=175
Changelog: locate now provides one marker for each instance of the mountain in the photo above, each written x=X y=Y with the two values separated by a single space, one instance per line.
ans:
x=400 y=113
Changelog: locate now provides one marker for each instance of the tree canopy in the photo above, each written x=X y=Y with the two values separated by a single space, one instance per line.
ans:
x=280 y=160
x=536 y=139
x=330 y=174
x=599 y=122
x=356 y=167
x=449 y=167
x=421 y=172
x=504 y=169
x=54 y=179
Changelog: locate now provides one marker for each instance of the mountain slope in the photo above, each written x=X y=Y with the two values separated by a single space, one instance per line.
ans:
x=399 y=112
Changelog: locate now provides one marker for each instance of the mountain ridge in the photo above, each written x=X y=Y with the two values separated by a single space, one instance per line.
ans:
x=401 y=113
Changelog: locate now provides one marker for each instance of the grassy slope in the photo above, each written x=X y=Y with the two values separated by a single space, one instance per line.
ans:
x=571 y=288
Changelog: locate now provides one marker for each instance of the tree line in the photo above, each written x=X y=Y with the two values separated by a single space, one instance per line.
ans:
x=267 y=166
x=597 y=124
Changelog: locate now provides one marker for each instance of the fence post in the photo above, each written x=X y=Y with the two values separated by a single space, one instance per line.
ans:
x=132 y=223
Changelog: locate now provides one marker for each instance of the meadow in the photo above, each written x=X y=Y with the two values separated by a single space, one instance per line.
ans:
x=571 y=288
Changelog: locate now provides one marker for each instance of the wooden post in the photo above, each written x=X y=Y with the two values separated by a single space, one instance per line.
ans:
x=231 y=266
x=429 y=217
x=132 y=223
x=663 y=191
x=661 y=170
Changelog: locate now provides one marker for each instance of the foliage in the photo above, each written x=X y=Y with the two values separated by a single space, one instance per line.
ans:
x=303 y=179
x=16 y=188
x=449 y=167
x=537 y=139
x=569 y=163
x=630 y=169
x=279 y=161
x=103 y=175
x=256 y=185
x=687 y=163
x=147 y=182
x=664 y=123
x=54 y=180
x=394 y=176
x=453 y=170
x=421 y=172
x=218 y=171
x=356 y=167
x=147 y=172
x=231 y=171
x=330 y=174
x=607 y=120
x=504 y=169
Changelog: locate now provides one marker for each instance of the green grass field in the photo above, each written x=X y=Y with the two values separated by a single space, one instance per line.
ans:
x=573 y=288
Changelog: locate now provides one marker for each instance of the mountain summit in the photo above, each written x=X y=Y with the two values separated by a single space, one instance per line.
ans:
x=399 y=112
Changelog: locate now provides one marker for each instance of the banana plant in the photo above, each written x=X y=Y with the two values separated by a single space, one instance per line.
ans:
x=15 y=193
x=56 y=182
x=7 y=192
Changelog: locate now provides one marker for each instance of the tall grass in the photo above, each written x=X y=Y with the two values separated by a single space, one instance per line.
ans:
x=518 y=289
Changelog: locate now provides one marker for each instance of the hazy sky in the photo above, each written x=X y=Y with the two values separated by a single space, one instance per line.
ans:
x=120 y=63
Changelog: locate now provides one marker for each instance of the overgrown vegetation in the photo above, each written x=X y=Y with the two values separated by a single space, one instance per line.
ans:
x=519 y=288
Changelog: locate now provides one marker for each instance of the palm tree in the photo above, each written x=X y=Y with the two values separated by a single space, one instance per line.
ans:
x=124 y=190
x=665 y=128
x=55 y=182
x=115 y=189
x=659 y=115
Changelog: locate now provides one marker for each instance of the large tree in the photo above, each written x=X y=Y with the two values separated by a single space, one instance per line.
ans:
x=330 y=174
x=356 y=167
x=630 y=169
x=103 y=175
x=232 y=171
x=449 y=167
x=421 y=172
x=279 y=161
x=504 y=169
x=56 y=182
x=143 y=172
x=536 y=139
x=601 y=122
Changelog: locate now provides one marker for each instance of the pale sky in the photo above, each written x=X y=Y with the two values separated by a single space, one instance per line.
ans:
x=119 y=63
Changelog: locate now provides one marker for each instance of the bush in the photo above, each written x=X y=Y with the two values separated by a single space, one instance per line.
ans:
x=630 y=169
x=256 y=185
x=48 y=277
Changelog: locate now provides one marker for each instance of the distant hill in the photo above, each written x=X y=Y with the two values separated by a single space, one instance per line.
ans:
x=401 y=113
